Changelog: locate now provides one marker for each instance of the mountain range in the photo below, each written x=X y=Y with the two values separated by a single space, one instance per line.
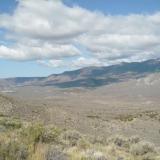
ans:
x=90 y=76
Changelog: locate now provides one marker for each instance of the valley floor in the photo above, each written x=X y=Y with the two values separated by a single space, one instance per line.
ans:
x=118 y=121
x=120 y=109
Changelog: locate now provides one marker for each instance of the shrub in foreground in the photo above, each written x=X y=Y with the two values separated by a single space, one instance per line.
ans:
x=13 y=151
x=30 y=141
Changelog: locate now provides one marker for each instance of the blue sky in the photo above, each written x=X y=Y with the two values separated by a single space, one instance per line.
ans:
x=119 y=6
x=73 y=50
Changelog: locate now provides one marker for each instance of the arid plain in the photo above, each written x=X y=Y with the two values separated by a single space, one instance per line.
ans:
x=125 y=108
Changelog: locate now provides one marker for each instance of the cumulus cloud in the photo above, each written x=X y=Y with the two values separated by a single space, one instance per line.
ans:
x=49 y=32
x=47 y=51
x=112 y=47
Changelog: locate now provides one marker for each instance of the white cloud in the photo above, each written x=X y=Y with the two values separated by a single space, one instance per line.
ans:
x=72 y=64
x=46 y=51
x=112 y=47
x=85 y=62
x=52 y=63
x=50 y=32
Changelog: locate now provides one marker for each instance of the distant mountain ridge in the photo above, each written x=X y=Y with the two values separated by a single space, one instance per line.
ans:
x=92 y=76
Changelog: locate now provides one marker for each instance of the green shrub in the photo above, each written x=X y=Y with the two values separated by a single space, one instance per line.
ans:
x=33 y=133
x=119 y=141
x=98 y=140
x=134 y=139
x=51 y=135
x=10 y=123
x=142 y=148
x=13 y=150
x=83 y=144
x=126 y=118
x=71 y=137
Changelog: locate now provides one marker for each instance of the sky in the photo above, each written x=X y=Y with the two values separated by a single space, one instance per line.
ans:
x=52 y=36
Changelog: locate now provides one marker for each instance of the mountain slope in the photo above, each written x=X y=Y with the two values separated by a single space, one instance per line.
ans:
x=93 y=76
x=98 y=76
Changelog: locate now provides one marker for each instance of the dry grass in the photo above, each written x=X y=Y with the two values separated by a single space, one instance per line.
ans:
x=28 y=141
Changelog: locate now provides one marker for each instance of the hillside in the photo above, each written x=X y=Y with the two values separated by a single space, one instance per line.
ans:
x=90 y=76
